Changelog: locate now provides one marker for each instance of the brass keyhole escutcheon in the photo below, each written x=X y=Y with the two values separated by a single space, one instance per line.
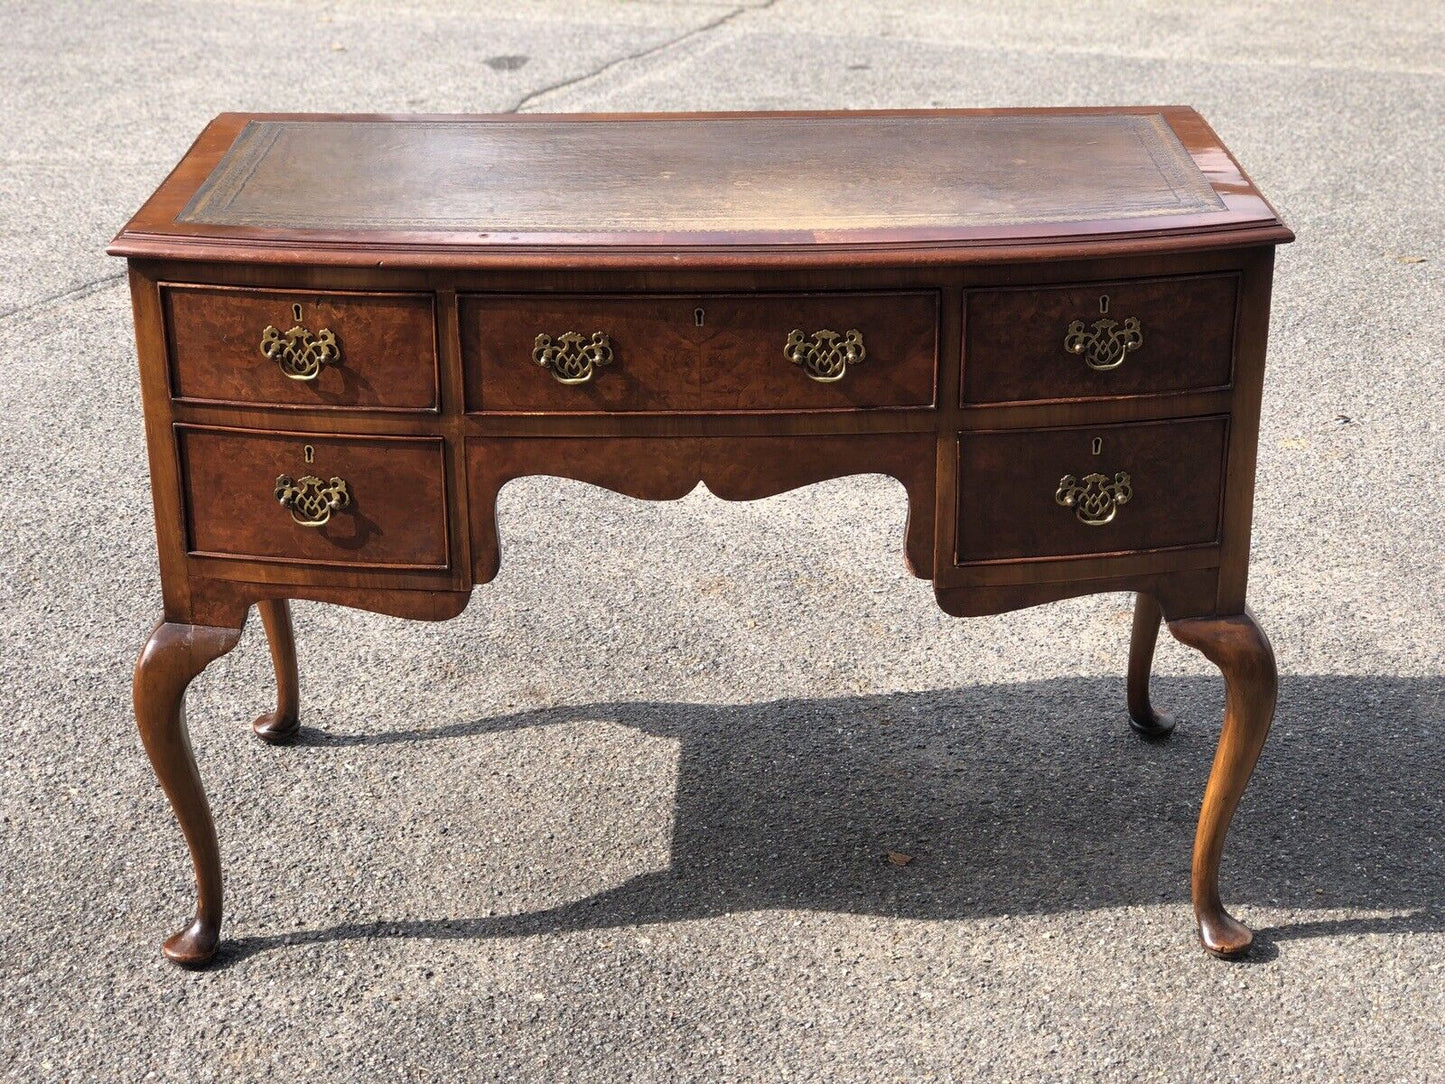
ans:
x=697 y=316
x=1096 y=446
x=296 y=313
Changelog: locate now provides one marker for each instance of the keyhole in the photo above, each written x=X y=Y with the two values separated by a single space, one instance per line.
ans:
x=309 y=454
x=296 y=315
x=1096 y=448
x=697 y=315
x=1104 y=304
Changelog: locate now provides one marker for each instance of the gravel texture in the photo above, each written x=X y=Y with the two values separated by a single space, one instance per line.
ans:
x=626 y=818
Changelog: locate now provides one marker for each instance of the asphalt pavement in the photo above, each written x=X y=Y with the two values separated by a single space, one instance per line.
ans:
x=627 y=818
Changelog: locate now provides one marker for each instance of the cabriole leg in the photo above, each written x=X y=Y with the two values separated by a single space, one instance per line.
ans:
x=280 y=726
x=1241 y=651
x=173 y=656
x=1142 y=716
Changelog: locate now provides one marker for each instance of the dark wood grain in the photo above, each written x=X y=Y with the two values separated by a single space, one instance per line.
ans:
x=387 y=344
x=655 y=365
x=743 y=366
x=1016 y=338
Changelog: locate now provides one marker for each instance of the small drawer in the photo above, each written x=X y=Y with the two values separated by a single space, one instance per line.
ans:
x=310 y=498
x=1033 y=493
x=1102 y=339
x=699 y=353
x=299 y=348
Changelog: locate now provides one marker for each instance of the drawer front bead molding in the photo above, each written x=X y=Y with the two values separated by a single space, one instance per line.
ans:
x=1104 y=344
x=826 y=356
x=300 y=354
x=574 y=358
x=310 y=500
x=1097 y=498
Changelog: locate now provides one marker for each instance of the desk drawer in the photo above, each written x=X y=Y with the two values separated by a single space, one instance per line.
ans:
x=699 y=353
x=1101 y=339
x=365 y=502
x=299 y=348
x=1089 y=490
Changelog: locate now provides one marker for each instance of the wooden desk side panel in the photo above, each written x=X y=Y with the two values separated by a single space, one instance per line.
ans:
x=1252 y=341
x=165 y=480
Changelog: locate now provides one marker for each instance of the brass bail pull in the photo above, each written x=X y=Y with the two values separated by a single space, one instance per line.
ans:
x=310 y=500
x=573 y=358
x=825 y=355
x=1096 y=498
x=1105 y=343
x=300 y=354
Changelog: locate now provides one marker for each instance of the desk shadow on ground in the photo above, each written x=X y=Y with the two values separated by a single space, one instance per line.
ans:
x=1012 y=799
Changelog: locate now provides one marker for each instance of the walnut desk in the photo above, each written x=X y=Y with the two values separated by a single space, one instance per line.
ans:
x=1049 y=325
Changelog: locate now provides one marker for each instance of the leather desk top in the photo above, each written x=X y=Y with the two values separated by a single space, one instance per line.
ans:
x=450 y=187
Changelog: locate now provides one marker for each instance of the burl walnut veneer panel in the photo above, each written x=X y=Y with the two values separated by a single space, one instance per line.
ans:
x=396 y=516
x=699 y=352
x=386 y=347
x=1007 y=506
x=1016 y=339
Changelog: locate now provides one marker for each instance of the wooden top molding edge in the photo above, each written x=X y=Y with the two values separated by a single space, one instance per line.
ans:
x=888 y=187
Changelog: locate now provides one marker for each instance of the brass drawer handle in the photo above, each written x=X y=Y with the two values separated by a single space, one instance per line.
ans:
x=300 y=354
x=311 y=501
x=574 y=358
x=1105 y=343
x=826 y=356
x=1096 y=498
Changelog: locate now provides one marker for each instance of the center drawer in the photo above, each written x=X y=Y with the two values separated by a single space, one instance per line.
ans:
x=699 y=353
x=312 y=498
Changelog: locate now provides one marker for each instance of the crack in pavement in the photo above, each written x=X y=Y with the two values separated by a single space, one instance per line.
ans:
x=723 y=20
x=72 y=293
x=95 y=285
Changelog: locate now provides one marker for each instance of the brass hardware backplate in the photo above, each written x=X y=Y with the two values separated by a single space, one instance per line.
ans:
x=1097 y=498
x=299 y=353
x=1105 y=343
x=574 y=358
x=825 y=356
x=310 y=500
